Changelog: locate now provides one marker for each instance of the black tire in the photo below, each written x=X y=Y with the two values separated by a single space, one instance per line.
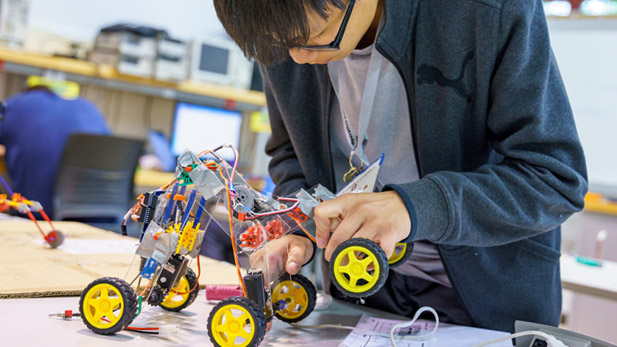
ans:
x=381 y=263
x=191 y=278
x=256 y=313
x=311 y=297
x=408 y=250
x=128 y=302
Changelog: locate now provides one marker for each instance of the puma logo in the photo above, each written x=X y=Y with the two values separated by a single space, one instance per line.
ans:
x=430 y=74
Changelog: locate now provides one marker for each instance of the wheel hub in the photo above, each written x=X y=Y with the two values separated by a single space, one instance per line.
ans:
x=357 y=269
x=105 y=305
x=233 y=327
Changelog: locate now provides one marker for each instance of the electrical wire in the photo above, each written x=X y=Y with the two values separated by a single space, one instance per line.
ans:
x=230 y=177
x=196 y=282
x=136 y=277
x=413 y=320
x=233 y=241
x=146 y=289
x=6 y=186
x=272 y=213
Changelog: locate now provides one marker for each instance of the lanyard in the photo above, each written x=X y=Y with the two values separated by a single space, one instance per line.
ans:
x=359 y=141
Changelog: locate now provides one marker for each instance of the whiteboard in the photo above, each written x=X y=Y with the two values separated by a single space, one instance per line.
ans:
x=586 y=52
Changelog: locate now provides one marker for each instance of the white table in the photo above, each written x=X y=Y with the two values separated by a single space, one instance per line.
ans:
x=592 y=280
x=25 y=322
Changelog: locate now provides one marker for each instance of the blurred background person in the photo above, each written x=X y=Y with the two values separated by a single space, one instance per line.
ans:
x=35 y=128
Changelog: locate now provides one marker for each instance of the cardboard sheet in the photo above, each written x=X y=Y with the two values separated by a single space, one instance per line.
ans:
x=30 y=268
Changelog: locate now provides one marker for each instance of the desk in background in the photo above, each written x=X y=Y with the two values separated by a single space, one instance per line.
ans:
x=600 y=281
x=145 y=180
x=592 y=301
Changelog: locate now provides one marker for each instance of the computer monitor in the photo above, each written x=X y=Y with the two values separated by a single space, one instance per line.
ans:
x=200 y=127
x=220 y=61
x=161 y=148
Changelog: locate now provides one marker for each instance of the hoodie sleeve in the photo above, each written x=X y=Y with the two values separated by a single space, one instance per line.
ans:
x=284 y=166
x=542 y=179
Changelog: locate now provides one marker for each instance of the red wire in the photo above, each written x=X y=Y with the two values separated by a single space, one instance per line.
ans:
x=44 y=215
x=37 y=224
x=231 y=234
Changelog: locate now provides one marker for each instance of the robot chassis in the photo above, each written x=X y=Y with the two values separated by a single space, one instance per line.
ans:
x=21 y=204
x=173 y=224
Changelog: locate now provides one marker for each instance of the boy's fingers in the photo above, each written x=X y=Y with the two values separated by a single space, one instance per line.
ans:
x=294 y=259
x=326 y=219
x=346 y=230
x=300 y=251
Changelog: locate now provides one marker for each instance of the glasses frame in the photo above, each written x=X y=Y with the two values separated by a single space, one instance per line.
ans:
x=336 y=43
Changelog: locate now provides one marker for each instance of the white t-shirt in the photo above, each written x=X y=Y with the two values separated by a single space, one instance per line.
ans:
x=389 y=132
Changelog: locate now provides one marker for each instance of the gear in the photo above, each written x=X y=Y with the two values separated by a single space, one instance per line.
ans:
x=156 y=296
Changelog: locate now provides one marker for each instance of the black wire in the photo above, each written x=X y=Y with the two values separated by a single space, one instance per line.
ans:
x=144 y=332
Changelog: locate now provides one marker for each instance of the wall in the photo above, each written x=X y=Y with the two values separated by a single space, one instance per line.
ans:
x=81 y=20
x=586 y=51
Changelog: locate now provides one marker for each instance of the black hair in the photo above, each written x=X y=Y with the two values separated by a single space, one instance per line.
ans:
x=266 y=29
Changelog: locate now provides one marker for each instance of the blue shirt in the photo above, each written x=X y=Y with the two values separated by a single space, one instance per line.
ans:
x=37 y=126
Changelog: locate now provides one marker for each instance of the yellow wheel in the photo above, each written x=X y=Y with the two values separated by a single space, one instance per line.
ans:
x=298 y=295
x=108 y=305
x=402 y=252
x=359 y=267
x=236 y=322
x=180 y=296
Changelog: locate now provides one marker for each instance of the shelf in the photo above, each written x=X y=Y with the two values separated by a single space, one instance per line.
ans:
x=86 y=72
x=577 y=21
x=595 y=202
x=579 y=16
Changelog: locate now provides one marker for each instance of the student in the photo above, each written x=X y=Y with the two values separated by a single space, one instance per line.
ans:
x=37 y=125
x=483 y=162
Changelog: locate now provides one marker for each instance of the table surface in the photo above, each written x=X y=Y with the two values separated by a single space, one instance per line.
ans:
x=599 y=281
x=25 y=322
x=31 y=268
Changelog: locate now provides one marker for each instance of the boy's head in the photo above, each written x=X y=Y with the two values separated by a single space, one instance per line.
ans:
x=268 y=30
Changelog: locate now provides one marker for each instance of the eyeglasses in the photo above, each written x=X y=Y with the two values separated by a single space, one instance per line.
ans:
x=336 y=43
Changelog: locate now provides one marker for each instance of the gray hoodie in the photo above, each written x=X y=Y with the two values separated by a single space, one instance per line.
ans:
x=496 y=147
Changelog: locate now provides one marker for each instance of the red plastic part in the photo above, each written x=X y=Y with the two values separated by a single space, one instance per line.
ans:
x=253 y=237
x=222 y=291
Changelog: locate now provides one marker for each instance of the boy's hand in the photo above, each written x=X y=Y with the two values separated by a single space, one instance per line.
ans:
x=286 y=254
x=381 y=217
